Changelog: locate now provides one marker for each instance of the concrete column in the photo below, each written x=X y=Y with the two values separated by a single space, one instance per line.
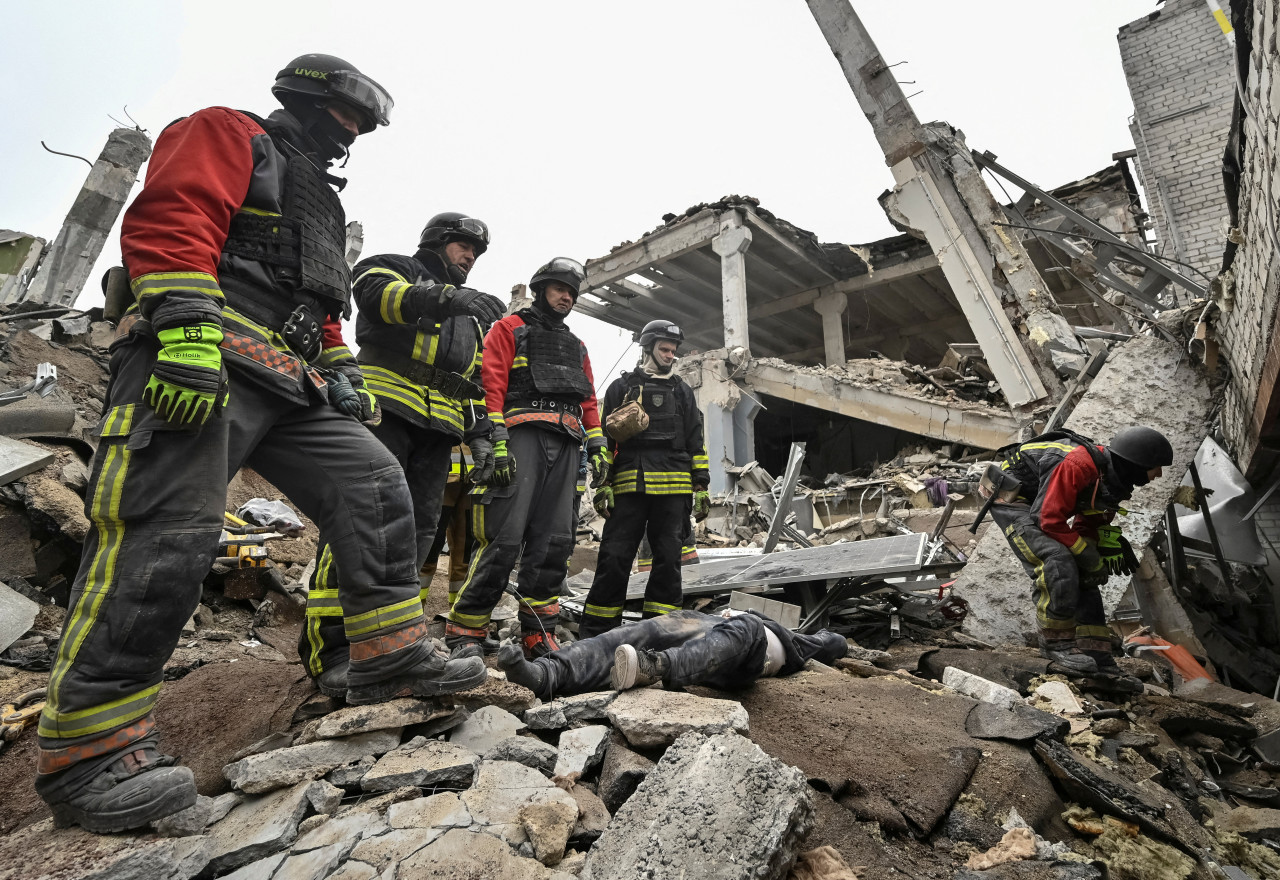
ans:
x=64 y=271
x=831 y=306
x=728 y=415
x=731 y=244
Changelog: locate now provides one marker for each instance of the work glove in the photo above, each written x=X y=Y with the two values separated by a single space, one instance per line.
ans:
x=188 y=384
x=482 y=460
x=342 y=395
x=463 y=301
x=504 y=464
x=1093 y=571
x=1117 y=555
x=602 y=501
x=370 y=410
x=701 y=504
x=1186 y=496
x=600 y=460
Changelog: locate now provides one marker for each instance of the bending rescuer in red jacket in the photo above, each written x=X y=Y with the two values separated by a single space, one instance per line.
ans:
x=1063 y=492
x=542 y=402
x=236 y=253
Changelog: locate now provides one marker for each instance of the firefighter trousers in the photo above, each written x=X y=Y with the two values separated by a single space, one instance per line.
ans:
x=455 y=528
x=155 y=502
x=424 y=455
x=1065 y=609
x=663 y=519
x=530 y=518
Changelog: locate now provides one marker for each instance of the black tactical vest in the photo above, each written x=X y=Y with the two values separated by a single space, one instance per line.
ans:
x=555 y=365
x=666 y=415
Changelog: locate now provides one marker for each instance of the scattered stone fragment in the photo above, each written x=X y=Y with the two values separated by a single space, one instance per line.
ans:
x=382 y=802
x=1059 y=698
x=737 y=807
x=1033 y=871
x=353 y=870
x=621 y=772
x=350 y=775
x=525 y=750
x=396 y=714
x=444 y=810
x=980 y=688
x=1110 y=726
x=270 y=742
x=1182 y=716
x=323 y=797
x=422 y=762
x=271 y=770
x=501 y=790
x=548 y=827
x=17 y=615
x=463 y=854
x=311 y=823
x=568 y=711
x=258 y=827
x=394 y=847
x=1018 y=844
x=581 y=750
x=486 y=727
x=43 y=852
x=649 y=717
x=186 y=822
x=313 y=865
x=499 y=693
x=593 y=816
x=1255 y=824
x=262 y=869
x=1019 y=723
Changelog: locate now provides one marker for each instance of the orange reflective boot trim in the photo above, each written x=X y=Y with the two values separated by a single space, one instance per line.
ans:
x=378 y=646
x=53 y=760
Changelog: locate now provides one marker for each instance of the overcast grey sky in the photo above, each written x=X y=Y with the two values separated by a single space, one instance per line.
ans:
x=572 y=126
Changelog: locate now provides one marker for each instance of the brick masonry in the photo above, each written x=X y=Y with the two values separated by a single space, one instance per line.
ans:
x=1246 y=325
x=1179 y=69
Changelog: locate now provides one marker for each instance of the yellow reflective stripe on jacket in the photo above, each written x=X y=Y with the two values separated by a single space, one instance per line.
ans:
x=701 y=462
x=162 y=282
x=1079 y=546
x=595 y=433
x=336 y=355
x=391 y=301
x=382 y=618
x=323 y=603
x=519 y=361
x=427 y=403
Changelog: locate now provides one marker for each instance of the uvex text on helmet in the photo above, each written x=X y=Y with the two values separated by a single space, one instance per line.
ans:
x=322 y=78
x=566 y=270
x=451 y=226
x=656 y=330
x=1143 y=446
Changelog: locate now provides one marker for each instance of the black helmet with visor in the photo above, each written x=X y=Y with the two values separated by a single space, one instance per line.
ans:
x=322 y=77
x=566 y=270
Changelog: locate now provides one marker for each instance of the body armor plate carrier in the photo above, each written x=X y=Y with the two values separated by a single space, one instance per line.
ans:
x=555 y=363
x=666 y=421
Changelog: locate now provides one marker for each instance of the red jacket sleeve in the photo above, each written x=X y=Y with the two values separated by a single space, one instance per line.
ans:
x=197 y=179
x=332 y=334
x=495 y=366
x=590 y=408
x=1057 y=502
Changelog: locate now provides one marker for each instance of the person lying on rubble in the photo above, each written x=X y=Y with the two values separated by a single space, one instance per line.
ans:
x=1055 y=498
x=679 y=649
x=220 y=367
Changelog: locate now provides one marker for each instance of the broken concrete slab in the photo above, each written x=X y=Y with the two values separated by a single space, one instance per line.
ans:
x=1256 y=824
x=393 y=715
x=271 y=770
x=739 y=807
x=1011 y=669
x=17 y=459
x=17 y=615
x=1008 y=778
x=1262 y=712
x=262 y=869
x=980 y=688
x=382 y=802
x=650 y=718
x=499 y=693
x=1179 y=717
x=444 y=810
x=43 y=852
x=422 y=762
x=394 y=846
x=353 y=870
x=525 y=750
x=502 y=789
x=350 y=828
x=622 y=771
x=567 y=711
x=1032 y=871
x=186 y=822
x=464 y=854
x=315 y=864
x=1149 y=381
x=581 y=750
x=1058 y=698
x=548 y=826
x=593 y=816
x=350 y=775
x=1019 y=723
x=486 y=727
x=257 y=827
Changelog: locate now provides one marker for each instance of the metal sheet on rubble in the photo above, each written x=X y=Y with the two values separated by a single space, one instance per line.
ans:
x=898 y=553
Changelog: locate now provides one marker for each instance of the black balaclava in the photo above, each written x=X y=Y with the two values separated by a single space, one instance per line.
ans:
x=1128 y=472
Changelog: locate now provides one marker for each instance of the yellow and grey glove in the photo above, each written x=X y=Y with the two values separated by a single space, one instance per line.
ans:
x=600 y=460
x=187 y=383
x=701 y=503
x=1117 y=555
x=504 y=465
x=1093 y=571
x=602 y=501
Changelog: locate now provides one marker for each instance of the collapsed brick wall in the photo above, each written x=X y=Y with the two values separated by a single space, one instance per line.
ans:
x=1246 y=325
x=1179 y=69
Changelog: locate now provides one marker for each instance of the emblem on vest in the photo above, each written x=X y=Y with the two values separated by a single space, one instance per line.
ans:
x=657 y=399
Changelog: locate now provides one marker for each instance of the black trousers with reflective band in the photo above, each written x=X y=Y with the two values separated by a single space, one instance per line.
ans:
x=155 y=502
x=531 y=518
x=663 y=519
x=424 y=455
x=1064 y=609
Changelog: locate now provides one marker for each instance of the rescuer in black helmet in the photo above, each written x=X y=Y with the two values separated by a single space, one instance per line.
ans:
x=333 y=100
x=452 y=226
x=659 y=475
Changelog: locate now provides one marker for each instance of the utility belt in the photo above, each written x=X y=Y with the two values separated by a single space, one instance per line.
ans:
x=552 y=406
x=570 y=422
x=449 y=384
x=297 y=317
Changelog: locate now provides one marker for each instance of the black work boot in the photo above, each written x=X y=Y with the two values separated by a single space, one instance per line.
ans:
x=332 y=682
x=1066 y=654
x=464 y=641
x=137 y=788
x=511 y=660
x=434 y=675
x=632 y=668
x=1099 y=650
